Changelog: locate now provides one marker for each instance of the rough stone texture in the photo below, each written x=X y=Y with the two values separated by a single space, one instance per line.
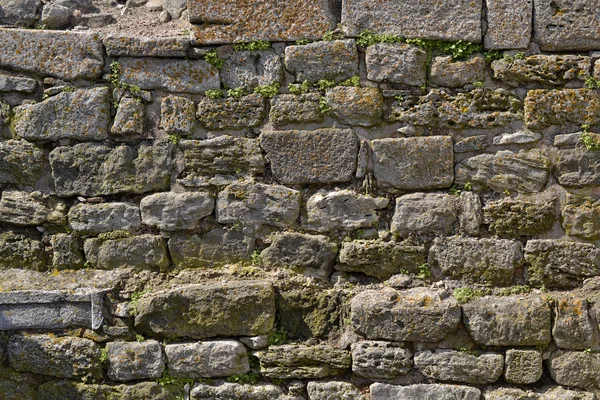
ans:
x=509 y=24
x=13 y=83
x=396 y=63
x=515 y=217
x=174 y=211
x=20 y=162
x=104 y=217
x=226 y=390
x=66 y=251
x=580 y=217
x=187 y=76
x=216 y=247
x=64 y=55
x=425 y=213
x=520 y=137
x=240 y=21
x=425 y=19
x=450 y=73
x=380 y=259
x=383 y=391
x=567 y=139
x=291 y=108
x=56 y=16
x=220 y=309
x=303 y=362
x=91 y=169
x=145 y=46
x=550 y=393
x=142 y=252
x=128 y=361
x=542 y=69
x=342 y=209
x=62 y=357
x=380 y=360
x=319 y=156
x=64 y=389
x=207 y=359
x=470 y=217
x=231 y=113
x=355 y=105
x=522 y=367
x=130 y=117
x=578 y=167
x=333 y=390
x=334 y=60
x=16 y=390
x=248 y=69
x=177 y=115
x=566 y=26
x=456 y=366
x=575 y=369
x=524 y=172
x=574 y=107
x=18 y=12
x=572 y=327
x=83 y=114
x=413 y=163
x=563 y=264
x=20 y=251
x=148 y=390
x=418 y=314
x=30 y=209
x=491 y=261
x=508 y=321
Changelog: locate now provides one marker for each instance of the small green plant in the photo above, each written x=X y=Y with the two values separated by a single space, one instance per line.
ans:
x=139 y=338
x=367 y=38
x=506 y=192
x=332 y=35
x=69 y=89
x=324 y=84
x=213 y=59
x=478 y=84
x=236 y=93
x=133 y=303
x=456 y=191
x=41 y=26
x=465 y=294
x=174 y=138
x=104 y=355
x=471 y=352
x=424 y=272
x=303 y=41
x=252 y=46
x=324 y=106
x=249 y=378
x=491 y=56
x=519 y=289
x=214 y=94
x=167 y=379
x=267 y=91
x=255 y=258
x=592 y=83
x=520 y=56
x=587 y=351
x=299 y=88
x=116 y=70
x=591 y=143
x=277 y=337
x=354 y=81
x=116 y=234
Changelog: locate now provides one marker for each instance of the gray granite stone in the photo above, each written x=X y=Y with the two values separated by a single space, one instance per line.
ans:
x=67 y=251
x=456 y=366
x=139 y=252
x=21 y=162
x=225 y=390
x=291 y=109
x=509 y=24
x=580 y=217
x=575 y=369
x=14 y=83
x=303 y=362
x=21 y=251
x=135 y=360
x=19 y=12
x=104 y=217
x=207 y=359
x=173 y=211
x=332 y=390
x=129 y=120
x=572 y=326
x=35 y=208
x=248 y=69
x=177 y=115
x=577 y=167
x=145 y=46
x=396 y=63
x=555 y=70
x=334 y=60
x=522 y=366
x=570 y=107
x=380 y=360
x=383 y=391
x=231 y=113
x=447 y=72
x=355 y=106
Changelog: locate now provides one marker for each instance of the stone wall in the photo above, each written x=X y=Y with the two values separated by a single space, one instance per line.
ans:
x=405 y=206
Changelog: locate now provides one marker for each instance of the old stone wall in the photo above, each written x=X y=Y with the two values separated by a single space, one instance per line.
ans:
x=318 y=200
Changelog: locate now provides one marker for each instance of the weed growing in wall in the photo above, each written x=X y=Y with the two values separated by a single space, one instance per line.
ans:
x=133 y=303
x=267 y=91
x=277 y=337
x=424 y=272
x=213 y=59
x=465 y=294
x=214 y=94
x=592 y=83
x=252 y=46
x=367 y=38
x=492 y=55
x=299 y=88
x=236 y=93
x=116 y=71
x=519 y=289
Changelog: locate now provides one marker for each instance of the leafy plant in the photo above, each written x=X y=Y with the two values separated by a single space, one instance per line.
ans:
x=367 y=38
x=520 y=56
x=167 y=379
x=592 y=83
x=116 y=71
x=267 y=91
x=465 y=294
x=353 y=81
x=278 y=337
x=492 y=55
x=213 y=59
x=252 y=46
x=133 y=303
x=249 y=378
x=590 y=142
x=255 y=258
x=424 y=272
x=324 y=84
x=236 y=93
x=303 y=41
x=324 y=106
x=214 y=94
x=104 y=355
x=174 y=138
x=299 y=88
x=478 y=84
x=519 y=289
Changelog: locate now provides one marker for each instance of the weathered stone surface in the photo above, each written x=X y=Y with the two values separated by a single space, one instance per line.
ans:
x=426 y=19
x=20 y=162
x=216 y=247
x=91 y=169
x=18 y=12
x=524 y=172
x=66 y=251
x=508 y=321
x=290 y=109
x=575 y=369
x=104 y=217
x=248 y=69
x=145 y=46
x=15 y=390
x=561 y=107
x=240 y=21
x=341 y=209
x=471 y=143
x=572 y=327
x=557 y=263
x=177 y=115
x=148 y=390
x=187 y=76
x=334 y=60
x=567 y=139
x=509 y=24
x=542 y=69
x=64 y=389
x=470 y=216
x=333 y=390
x=319 y=156
x=220 y=309
x=307 y=254
x=578 y=167
x=20 y=251
x=380 y=360
x=258 y=204
x=62 y=357
x=130 y=117
x=13 y=83
x=413 y=163
x=515 y=217
x=255 y=342
x=35 y=208
x=231 y=113
x=491 y=261
x=226 y=390
x=456 y=366
x=396 y=63
x=580 y=217
x=382 y=391
x=135 y=360
x=207 y=359
x=303 y=362
x=174 y=211
x=550 y=393
x=355 y=105
x=445 y=71
x=425 y=213
x=380 y=259
x=520 y=137
x=522 y=367
x=64 y=55
x=418 y=314
x=55 y=16
x=144 y=252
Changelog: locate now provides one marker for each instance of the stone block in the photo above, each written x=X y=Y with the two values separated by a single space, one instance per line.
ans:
x=580 y=217
x=292 y=109
x=573 y=327
x=575 y=369
x=249 y=69
x=129 y=120
x=522 y=367
x=129 y=361
x=303 y=362
x=570 y=107
x=471 y=143
x=173 y=211
x=556 y=70
x=227 y=390
x=67 y=251
x=145 y=46
x=355 y=105
x=380 y=360
x=13 y=83
x=509 y=24
x=396 y=63
x=447 y=72
x=21 y=162
x=383 y=391
x=177 y=115
x=520 y=137
x=140 y=252
x=20 y=251
x=333 y=390
x=19 y=12
x=65 y=389
x=425 y=213
x=89 y=218
x=516 y=217
x=335 y=60
x=456 y=366
x=207 y=359
x=577 y=167
x=30 y=209
x=231 y=113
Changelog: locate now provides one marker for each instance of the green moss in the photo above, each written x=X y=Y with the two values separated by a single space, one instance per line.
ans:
x=590 y=141
x=116 y=71
x=249 y=378
x=236 y=93
x=367 y=38
x=166 y=379
x=116 y=234
x=324 y=84
x=133 y=303
x=592 y=83
x=302 y=42
x=424 y=272
x=252 y=46
x=465 y=294
x=214 y=94
x=354 y=81
x=492 y=55
x=299 y=88
x=213 y=59
x=519 y=289
x=278 y=337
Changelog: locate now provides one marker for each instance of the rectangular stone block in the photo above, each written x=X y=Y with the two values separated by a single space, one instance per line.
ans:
x=21 y=162
x=426 y=19
x=397 y=63
x=85 y=218
x=135 y=360
x=383 y=391
x=573 y=107
x=303 y=362
x=144 y=46
x=207 y=359
x=32 y=208
x=456 y=366
x=231 y=113
x=145 y=251
x=567 y=25
x=64 y=55
x=21 y=251
x=555 y=70
x=578 y=167
x=272 y=20
x=509 y=24
x=334 y=60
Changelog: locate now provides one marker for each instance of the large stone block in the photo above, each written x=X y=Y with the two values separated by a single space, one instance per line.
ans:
x=319 y=156
x=580 y=217
x=173 y=211
x=248 y=69
x=575 y=369
x=396 y=63
x=19 y=12
x=542 y=69
x=35 y=208
x=207 y=359
x=231 y=113
x=303 y=362
x=104 y=217
x=523 y=367
x=355 y=105
x=177 y=115
x=572 y=328
x=509 y=24
x=425 y=213
x=142 y=252
x=67 y=251
x=64 y=55
x=516 y=217
x=90 y=169
x=20 y=251
x=413 y=163
x=333 y=390
x=578 y=167
x=130 y=118
x=135 y=360
x=418 y=314
x=380 y=360
x=571 y=107
x=383 y=391
x=448 y=72
x=335 y=60
x=145 y=46
x=546 y=393
x=202 y=311
x=291 y=108
x=460 y=20
x=13 y=83
x=240 y=21
x=21 y=162
x=227 y=390
x=456 y=366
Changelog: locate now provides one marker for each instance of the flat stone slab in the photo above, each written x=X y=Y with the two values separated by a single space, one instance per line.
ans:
x=509 y=24
x=140 y=252
x=383 y=391
x=64 y=55
x=425 y=19
x=555 y=70
x=380 y=360
x=578 y=167
x=144 y=46
x=87 y=218
x=456 y=366
x=173 y=211
x=207 y=359
x=571 y=107
x=21 y=162
x=32 y=208
x=303 y=362
x=135 y=360
x=228 y=390
x=335 y=60
x=271 y=20
x=12 y=83
x=231 y=113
